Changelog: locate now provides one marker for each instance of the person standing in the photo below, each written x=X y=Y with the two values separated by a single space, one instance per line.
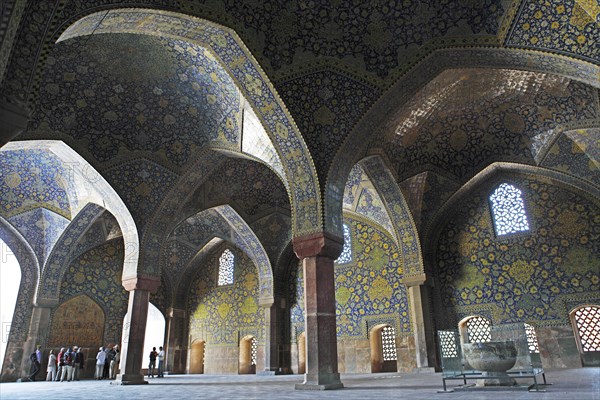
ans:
x=152 y=364
x=36 y=362
x=68 y=366
x=51 y=370
x=78 y=364
x=114 y=362
x=161 y=360
x=61 y=364
x=100 y=360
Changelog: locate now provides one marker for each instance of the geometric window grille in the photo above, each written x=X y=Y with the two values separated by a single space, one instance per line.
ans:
x=226 y=263
x=254 y=348
x=478 y=329
x=448 y=344
x=532 y=342
x=388 y=342
x=588 y=325
x=508 y=210
x=346 y=255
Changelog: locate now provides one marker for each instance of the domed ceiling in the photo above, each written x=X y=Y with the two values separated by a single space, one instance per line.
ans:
x=465 y=119
x=114 y=95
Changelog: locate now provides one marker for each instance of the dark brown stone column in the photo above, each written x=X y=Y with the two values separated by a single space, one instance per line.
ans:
x=134 y=329
x=317 y=253
x=175 y=340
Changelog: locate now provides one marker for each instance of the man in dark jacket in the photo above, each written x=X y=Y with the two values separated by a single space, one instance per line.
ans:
x=36 y=362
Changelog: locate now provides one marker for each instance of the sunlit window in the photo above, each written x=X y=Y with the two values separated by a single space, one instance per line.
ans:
x=388 y=342
x=254 y=351
x=588 y=327
x=346 y=255
x=226 y=264
x=508 y=210
x=479 y=330
x=532 y=342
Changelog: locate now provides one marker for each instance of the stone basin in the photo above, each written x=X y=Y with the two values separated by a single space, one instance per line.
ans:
x=493 y=359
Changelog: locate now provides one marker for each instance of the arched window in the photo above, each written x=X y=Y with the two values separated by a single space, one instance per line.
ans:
x=508 y=210
x=587 y=321
x=346 y=255
x=226 y=264
x=475 y=329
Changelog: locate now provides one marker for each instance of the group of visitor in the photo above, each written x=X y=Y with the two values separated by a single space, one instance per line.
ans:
x=62 y=367
x=107 y=362
x=153 y=357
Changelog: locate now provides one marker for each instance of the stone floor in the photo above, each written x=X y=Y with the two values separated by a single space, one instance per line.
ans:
x=580 y=384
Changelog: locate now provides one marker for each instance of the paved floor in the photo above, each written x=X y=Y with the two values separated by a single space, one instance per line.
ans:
x=580 y=384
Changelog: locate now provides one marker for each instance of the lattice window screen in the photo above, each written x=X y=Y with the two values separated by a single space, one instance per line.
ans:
x=254 y=349
x=588 y=326
x=346 y=255
x=388 y=341
x=226 y=265
x=532 y=342
x=448 y=344
x=478 y=329
x=508 y=210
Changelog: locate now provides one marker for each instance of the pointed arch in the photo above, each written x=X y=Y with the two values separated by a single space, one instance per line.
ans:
x=229 y=49
x=30 y=271
x=236 y=231
x=405 y=231
x=79 y=320
x=492 y=172
x=91 y=187
x=355 y=146
x=62 y=253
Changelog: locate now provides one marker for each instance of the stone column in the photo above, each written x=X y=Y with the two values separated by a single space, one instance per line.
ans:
x=13 y=120
x=420 y=316
x=272 y=336
x=39 y=329
x=134 y=328
x=174 y=341
x=317 y=253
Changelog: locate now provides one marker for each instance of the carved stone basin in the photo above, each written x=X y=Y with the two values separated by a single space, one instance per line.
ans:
x=493 y=359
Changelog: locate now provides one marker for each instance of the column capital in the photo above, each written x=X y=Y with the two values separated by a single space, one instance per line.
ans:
x=45 y=302
x=175 y=312
x=141 y=282
x=414 y=280
x=318 y=244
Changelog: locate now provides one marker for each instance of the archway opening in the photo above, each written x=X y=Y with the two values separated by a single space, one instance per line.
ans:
x=384 y=356
x=197 y=357
x=10 y=280
x=155 y=333
x=248 y=349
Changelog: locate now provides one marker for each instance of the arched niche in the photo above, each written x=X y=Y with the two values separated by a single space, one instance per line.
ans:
x=197 y=356
x=78 y=321
x=382 y=340
x=247 y=363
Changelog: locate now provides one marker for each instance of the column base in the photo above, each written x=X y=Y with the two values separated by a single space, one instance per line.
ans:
x=320 y=382
x=134 y=379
